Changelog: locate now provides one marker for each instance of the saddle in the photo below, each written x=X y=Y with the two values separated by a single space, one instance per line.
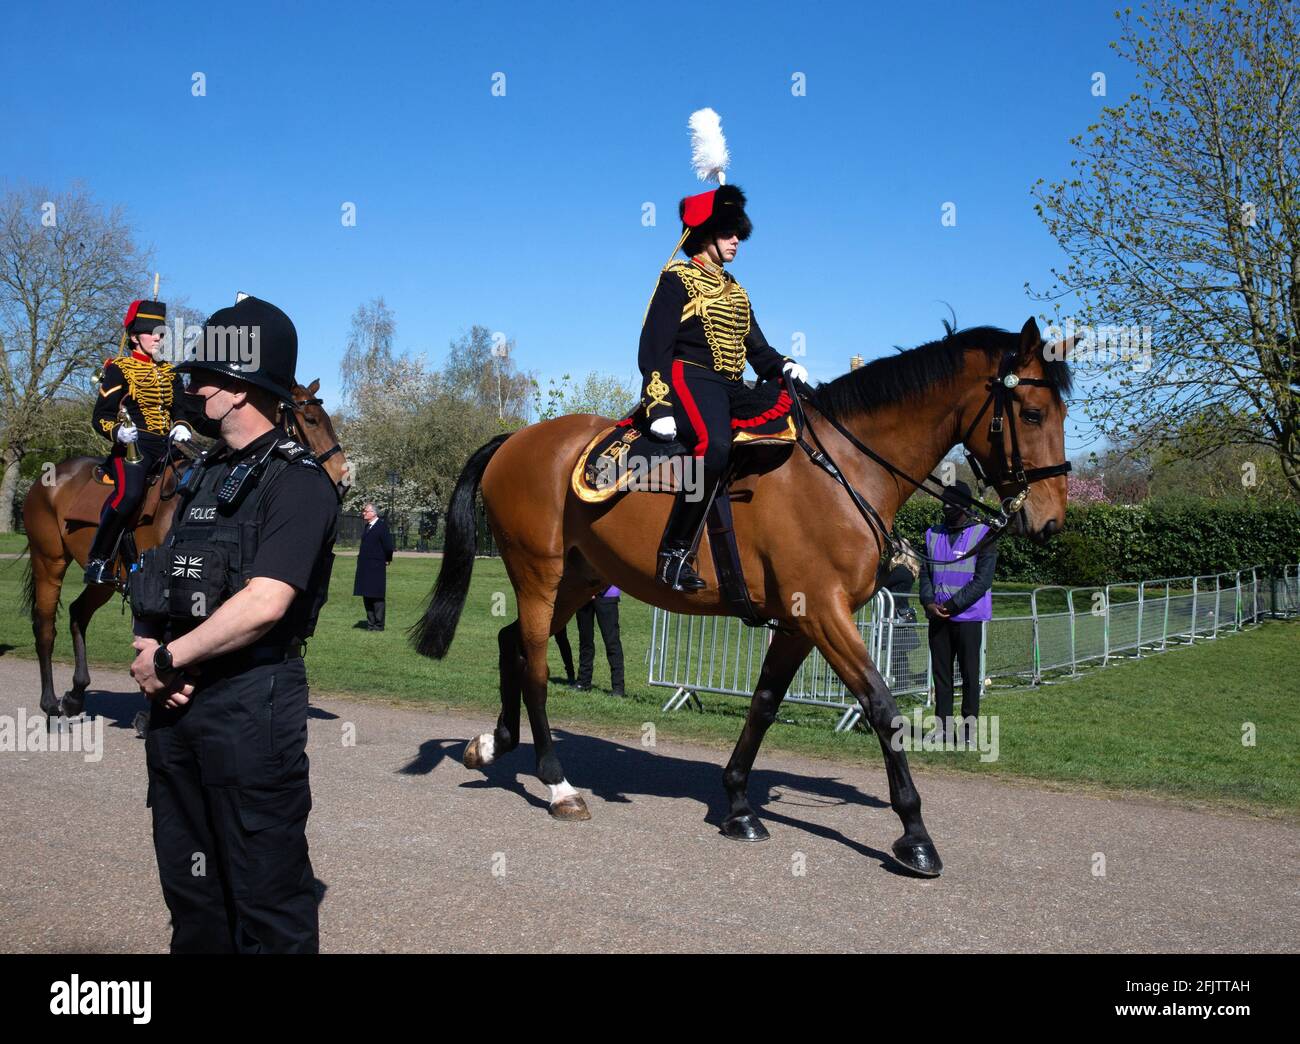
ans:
x=85 y=509
x=625 y=457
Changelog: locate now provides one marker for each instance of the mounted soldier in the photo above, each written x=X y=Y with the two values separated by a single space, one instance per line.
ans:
x=698 y=334
x=140 y=402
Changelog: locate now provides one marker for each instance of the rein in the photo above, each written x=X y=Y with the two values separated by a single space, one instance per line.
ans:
x=1001 y=394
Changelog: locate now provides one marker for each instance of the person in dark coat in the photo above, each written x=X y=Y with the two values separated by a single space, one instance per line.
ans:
x=372 y=564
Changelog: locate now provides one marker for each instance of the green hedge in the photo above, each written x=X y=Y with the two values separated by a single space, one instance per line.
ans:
x=1104 y=543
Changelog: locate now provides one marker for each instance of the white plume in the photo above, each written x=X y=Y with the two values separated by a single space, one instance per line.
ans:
x=708 y=146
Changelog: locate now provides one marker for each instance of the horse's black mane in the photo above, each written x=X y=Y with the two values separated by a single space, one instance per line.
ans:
x=911 y=373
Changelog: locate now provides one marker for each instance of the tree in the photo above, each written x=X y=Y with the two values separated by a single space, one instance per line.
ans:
x=1182 y=224
x=481 y=371
x=367 y=361
x=68 y=268
x=598 y=393
x=421 y=424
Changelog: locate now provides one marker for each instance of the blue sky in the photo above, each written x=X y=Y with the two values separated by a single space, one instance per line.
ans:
x=523 y=212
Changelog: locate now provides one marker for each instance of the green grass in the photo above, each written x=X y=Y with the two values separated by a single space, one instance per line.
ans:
x=12 y=543
x=1164 y=725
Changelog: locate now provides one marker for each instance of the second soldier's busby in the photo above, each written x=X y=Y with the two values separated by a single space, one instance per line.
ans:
x=144 y=317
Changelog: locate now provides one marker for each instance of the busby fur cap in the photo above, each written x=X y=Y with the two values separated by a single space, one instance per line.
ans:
x=144 y=317
x=710 y=215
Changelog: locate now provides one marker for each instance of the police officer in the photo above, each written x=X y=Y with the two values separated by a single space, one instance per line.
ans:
x=223 y=608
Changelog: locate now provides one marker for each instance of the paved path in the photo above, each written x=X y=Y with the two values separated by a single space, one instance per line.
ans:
x=417 y=853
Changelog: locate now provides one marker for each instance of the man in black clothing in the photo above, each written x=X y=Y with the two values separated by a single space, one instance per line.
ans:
x=602 y=609
x=223 y=609
x=373 y=558
x=956 y=593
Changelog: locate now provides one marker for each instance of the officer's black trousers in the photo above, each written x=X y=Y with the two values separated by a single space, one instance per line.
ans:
x=230 y=796
x=959 y=639
x=374 y=611
x=604 y=610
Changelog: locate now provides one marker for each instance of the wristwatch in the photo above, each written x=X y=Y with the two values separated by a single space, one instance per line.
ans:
x=162 y=662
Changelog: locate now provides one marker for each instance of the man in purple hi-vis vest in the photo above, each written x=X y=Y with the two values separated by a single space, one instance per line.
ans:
x=957 y=599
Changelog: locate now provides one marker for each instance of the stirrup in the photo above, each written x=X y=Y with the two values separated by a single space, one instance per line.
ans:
x=675 y=570
x=95 y=569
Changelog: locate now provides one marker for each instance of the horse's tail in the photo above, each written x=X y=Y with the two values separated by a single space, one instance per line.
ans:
x=28 y=596
x=432 y=634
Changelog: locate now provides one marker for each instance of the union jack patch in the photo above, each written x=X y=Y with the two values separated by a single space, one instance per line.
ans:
x=189 y=567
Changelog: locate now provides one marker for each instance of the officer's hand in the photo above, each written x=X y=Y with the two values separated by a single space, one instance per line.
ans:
x=127 y=433
x=935 y=611
x=794 y=370
x=181 y=433
x=142 y=667
x=664 y=428
x=180 y=697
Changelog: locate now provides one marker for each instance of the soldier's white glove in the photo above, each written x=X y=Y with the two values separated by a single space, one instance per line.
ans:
x=127 y=433
x=793 y=369
x=664 y=428
x=181 y=433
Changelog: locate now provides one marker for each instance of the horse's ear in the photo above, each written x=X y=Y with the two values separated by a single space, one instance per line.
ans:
x=1030 y=339
x=314 y=387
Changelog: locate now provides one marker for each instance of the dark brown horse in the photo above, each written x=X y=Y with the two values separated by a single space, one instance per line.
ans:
x=808 y=554
x=60 y=518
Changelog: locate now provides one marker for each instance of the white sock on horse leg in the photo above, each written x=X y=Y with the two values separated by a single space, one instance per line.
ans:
x=561 y=790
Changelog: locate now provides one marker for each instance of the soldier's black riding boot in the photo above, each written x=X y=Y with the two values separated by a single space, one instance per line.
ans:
x=103 y=546
x=679 y=539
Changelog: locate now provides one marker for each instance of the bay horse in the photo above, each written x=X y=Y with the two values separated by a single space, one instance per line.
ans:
x=60 y=518
x=808 y=553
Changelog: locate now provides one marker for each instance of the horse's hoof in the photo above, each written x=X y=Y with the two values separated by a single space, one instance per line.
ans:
x=474 y=758
x=72 y=705
x=744 y=828
x=922 y=859
x=572 y=809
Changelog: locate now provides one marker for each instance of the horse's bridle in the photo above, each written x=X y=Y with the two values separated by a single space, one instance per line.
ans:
x=295 y=431
x=1001 y=396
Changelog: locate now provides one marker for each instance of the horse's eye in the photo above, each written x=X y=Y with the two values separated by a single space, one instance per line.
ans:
x=1032 y=416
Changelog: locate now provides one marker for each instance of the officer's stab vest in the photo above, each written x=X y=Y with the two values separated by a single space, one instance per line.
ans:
x=208 y=555
x=950 y=577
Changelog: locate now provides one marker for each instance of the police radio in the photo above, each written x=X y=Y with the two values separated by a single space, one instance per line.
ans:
x=236 y=484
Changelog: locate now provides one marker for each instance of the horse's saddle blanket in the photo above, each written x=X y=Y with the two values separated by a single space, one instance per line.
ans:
x=626 y=456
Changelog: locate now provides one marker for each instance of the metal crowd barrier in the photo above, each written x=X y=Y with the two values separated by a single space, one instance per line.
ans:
x=1035 y=637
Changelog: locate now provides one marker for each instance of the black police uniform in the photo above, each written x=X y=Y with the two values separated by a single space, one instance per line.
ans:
x=228 y=771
